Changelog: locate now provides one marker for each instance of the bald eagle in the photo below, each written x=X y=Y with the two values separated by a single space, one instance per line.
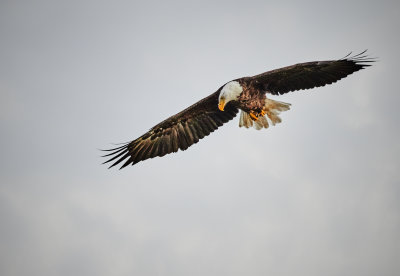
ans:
x=247 y=94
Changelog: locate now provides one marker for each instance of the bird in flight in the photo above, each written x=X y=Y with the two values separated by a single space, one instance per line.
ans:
x=247 y=94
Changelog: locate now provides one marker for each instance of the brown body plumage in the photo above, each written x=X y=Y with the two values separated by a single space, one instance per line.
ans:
x=199 y=120
x=253 y=96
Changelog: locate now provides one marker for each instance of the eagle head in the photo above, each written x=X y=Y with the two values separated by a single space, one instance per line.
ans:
x=229 y=92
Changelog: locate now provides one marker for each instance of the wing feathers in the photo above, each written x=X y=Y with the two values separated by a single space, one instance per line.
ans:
x=177 y=132
x=199 y=129
x=184 y=143
x=209 y=123
x=174 y=140
x=194 y=133
x=189 y=134
x=311 y=74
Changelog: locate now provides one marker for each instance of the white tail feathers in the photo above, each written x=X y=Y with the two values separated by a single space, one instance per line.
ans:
x=271 y=108
x=246 y=121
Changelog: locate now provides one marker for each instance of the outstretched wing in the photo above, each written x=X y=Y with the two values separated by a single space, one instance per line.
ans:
x=177 y=132
x=311 y=74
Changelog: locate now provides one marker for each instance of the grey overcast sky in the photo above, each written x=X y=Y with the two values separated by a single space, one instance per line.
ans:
x=316 y=195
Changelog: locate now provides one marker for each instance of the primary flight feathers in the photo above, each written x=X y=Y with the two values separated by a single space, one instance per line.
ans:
x=247 y=94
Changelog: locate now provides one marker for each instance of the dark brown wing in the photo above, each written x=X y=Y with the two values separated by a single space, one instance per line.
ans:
x=177 y=132
x=311 y=74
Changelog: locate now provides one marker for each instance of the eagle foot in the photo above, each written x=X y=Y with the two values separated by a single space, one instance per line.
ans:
x=253 y=116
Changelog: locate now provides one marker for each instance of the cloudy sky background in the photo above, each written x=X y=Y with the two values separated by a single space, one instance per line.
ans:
x=318 y=194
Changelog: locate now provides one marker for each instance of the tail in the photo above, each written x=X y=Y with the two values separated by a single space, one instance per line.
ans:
x=271 y=108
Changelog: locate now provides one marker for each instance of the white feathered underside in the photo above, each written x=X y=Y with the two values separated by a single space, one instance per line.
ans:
x=271 y=108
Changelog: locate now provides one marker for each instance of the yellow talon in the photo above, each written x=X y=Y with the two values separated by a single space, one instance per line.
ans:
x=262 y=113
x=254 y=117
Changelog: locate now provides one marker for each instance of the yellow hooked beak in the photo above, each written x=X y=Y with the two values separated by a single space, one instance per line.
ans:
x=221 y=105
